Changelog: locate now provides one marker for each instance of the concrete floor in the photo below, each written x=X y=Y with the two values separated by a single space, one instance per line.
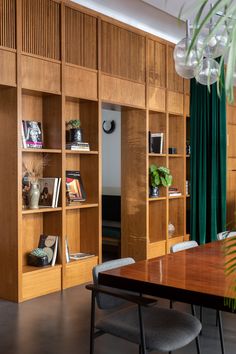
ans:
x=59 y=324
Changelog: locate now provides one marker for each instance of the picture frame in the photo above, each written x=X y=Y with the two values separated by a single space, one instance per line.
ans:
x=156 y=142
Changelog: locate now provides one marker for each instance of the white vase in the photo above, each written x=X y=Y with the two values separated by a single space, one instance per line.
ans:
x=34 y=195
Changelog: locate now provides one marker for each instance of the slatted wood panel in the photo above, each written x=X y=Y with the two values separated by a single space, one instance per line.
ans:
x=157 y=63
x=123 y=52
x=41 y=28
x=175 y=82
x=8 y=23
x=81 y=38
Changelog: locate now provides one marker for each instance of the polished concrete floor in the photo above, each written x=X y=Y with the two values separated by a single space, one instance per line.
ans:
x=59 y=323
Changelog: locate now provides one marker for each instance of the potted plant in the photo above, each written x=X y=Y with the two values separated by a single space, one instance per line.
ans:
x=75 y=132
x=159 y=176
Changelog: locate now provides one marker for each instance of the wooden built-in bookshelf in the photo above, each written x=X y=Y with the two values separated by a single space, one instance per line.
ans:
x=65 y=64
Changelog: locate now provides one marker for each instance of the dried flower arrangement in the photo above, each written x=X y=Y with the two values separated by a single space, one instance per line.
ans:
x=33 y=169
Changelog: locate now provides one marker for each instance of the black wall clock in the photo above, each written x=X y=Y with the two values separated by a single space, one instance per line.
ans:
x=108 y=126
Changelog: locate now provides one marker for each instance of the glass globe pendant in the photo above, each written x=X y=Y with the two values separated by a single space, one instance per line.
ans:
x=185 y=63
x=207 y=71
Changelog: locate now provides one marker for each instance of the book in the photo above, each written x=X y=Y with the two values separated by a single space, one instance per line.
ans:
x=74 y=187
x=67 y=251
x=32 y=134
x=49 y=244
x=58 y=192
x=156 y=142
x=78 y=146
x=23 y=136
x=80 y=255
x=48 y=192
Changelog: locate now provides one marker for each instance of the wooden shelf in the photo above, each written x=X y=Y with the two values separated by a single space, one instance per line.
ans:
x=156 y=199
x=74 y=262
x=29 y=269
x=156 y=155
x=175 y=155
x=176 y=196
x=81 y=152
x=43 y=151
x=40 y=210
x=82 y=206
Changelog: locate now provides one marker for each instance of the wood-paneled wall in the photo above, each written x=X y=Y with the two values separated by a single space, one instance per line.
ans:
x=81 y=38
x=123 y=52
x=8 y=23
x=41 y=28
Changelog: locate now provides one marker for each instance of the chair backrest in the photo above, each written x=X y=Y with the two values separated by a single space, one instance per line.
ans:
x=225 y=234
x=183 y=246
x=106 y=301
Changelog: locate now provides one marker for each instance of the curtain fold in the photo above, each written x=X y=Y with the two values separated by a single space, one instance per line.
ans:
x=208 y=162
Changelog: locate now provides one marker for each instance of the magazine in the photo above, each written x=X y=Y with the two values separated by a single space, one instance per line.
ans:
x=32 y=134
x=80 y=255
x=74 y=187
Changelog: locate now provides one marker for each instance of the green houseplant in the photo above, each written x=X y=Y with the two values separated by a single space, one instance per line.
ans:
x=75 y=132
x=159 y=176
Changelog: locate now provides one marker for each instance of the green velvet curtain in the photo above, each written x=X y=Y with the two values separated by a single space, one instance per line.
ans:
x=208 y=162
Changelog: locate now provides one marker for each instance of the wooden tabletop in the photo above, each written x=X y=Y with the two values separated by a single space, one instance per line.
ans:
x=194 y=276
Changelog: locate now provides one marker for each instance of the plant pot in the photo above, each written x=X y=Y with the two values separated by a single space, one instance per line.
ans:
x=154 y=192
x=34 y=195
x=76 y=135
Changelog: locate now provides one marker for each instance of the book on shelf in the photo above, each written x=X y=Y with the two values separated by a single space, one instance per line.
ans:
x=174 y=192
x=80 y=255
x=74 y=188
x=156 y=142
x=49 y=192
x=78 y=146
x=49 y=244
x=31 y=133
x=67 y=251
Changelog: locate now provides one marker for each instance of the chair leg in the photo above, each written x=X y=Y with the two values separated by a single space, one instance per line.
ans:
x=201 y=314
x=92 y=323
x=197 y=338
x=193 y=310
x=221 y=333
x=142 y=334
x=217 y=317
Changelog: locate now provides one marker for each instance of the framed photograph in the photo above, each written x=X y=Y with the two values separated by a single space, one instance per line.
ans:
x=156 y=143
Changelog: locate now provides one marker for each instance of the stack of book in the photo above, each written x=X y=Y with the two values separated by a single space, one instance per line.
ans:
x=75 y=192
x=174 y=192
x=78 y=146
x=49 y=192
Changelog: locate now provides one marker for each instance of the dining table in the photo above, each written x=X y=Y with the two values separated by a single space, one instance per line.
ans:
x=195 y=276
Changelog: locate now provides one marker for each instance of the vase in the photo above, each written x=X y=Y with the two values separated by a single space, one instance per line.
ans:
x=34 y=195
x=76 y=135
x=154 y=192
x=171 y=230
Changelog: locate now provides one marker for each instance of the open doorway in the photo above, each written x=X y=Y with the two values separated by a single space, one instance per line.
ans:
x=111 y=182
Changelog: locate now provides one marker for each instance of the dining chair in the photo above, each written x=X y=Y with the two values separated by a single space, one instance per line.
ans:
x=191 y=244
x=225 y=234
x=139 y=320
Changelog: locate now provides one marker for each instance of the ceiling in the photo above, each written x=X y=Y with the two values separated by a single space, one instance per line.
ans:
x=159 y=17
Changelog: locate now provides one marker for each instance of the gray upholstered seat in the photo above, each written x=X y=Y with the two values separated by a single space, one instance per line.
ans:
x=165 y=329
x=183 y=246
x=225 y=234
x=152 y=328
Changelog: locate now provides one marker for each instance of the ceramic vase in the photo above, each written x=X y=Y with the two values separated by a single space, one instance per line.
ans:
x=34 y=195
